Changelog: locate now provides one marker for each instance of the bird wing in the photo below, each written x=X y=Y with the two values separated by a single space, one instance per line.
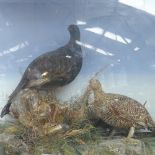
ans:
x=127 y=109
x=118 y=112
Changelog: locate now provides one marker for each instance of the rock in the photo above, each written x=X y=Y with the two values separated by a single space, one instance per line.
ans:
x=34 y=108
x=41 y=110
x=52 y=154
x=10 y=141
x=32 y=101
x=56 y=153
x=2 y=150
x=117 y=146
x=24 y=153
x=6 y=138
x=149 y=145
x=112 y=147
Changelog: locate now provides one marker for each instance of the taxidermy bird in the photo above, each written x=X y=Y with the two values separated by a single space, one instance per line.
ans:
x=52 y=69
x=117 y=110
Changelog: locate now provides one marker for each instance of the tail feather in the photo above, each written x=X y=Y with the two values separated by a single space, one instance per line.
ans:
x=20 y=86
x=5 y=110
x=151 y=125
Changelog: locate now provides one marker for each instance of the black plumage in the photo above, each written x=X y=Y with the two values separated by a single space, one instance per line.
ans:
x=52 y=69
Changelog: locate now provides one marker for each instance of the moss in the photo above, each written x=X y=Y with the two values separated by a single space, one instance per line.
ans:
x=80 y=133
x=35 y=129
x=149 y=145
x=65 y=142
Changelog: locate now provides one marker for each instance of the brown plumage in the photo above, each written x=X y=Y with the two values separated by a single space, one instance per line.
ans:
x=117 y=110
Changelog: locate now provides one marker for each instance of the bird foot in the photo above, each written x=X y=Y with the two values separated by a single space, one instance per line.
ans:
x=130 y=141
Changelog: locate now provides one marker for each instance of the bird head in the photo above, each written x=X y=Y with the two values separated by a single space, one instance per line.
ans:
x=74 y=32
x=73 y=28
x=95 y=84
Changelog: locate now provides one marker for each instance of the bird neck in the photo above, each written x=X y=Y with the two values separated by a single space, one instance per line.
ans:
x=74 y=37
x=98 y=93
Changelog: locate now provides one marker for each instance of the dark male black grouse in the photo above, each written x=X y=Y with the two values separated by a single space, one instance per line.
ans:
x=54 y=68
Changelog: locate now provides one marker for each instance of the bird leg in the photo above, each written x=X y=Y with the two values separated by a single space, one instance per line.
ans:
x=131 y=132
x=112 y=133
x=129 y=138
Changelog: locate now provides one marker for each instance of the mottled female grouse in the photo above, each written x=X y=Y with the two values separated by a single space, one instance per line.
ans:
x=117 y=110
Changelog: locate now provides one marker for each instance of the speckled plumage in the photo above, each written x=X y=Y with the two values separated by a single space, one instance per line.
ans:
x=117 y=110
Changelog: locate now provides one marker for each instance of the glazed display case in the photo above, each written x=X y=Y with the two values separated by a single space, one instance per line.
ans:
x=51 y=50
